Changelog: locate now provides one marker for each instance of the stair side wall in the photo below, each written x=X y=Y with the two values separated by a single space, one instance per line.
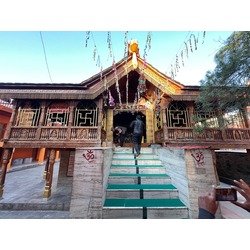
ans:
x=202 y=174
x=174 y=162
x=91 y=170
x=192 y=171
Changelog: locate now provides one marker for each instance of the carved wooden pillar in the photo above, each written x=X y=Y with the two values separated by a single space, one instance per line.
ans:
x=109 y=125
x=10 y=124
x=40 y=156
x=11 y=159
x=57 y=155
x=46 y=166
x=71 y=117
x=150 y=123
x=49 y=176
x=100 y=115
x=41 y=121
x=164 y=122
x=6 y=157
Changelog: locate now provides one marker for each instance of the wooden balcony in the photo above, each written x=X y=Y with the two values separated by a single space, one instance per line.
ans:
x=213 y=137
x=51 y=137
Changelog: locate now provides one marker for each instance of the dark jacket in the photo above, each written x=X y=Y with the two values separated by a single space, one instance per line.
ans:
x=138 y=126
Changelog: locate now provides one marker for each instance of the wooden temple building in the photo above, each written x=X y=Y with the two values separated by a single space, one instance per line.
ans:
x=69 y=116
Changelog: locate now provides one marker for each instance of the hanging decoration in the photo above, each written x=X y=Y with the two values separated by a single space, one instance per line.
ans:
x=204 y=34
x=190 y=45
x=94 y=53
x=109 y=44
x=87 y=38
x=118 y=90
x=172 y=72
x=127 y=91
x=98 y=61
x=195 y=41
x=117 y=83
x=96 y=56
x=147 y=45
x=111 y=100
x=126 y=48
x=147 y=48
x=114 y=67
x=105 y=92
x=182 y=59
x=105 y=99
x=105 y=83
x=177 y=63
x=126 y=44
x=186 y=47
x=141 y=85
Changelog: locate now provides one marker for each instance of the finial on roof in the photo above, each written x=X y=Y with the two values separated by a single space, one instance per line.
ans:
x=133 y=49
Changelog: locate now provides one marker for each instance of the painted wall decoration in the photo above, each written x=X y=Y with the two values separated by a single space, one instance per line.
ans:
x=89 y=155
x=199 y=158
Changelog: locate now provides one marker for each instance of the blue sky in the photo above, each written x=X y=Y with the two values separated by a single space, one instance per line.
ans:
x=22 y=58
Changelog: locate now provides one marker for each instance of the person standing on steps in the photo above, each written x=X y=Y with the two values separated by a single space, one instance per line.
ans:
x=120 y=133
x=138 y=128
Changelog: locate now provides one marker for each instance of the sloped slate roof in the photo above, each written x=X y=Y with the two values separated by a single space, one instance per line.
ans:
x=89 y=88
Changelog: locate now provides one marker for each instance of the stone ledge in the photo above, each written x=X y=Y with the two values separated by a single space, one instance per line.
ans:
x=34 y=206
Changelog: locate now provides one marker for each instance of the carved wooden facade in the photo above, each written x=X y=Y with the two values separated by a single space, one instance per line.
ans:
x=76 y=115
x=69 y=116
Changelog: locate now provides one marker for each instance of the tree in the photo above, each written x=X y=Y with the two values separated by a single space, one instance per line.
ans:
x=227 y=87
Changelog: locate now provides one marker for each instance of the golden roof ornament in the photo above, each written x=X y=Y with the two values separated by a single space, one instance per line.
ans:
x=133 y=49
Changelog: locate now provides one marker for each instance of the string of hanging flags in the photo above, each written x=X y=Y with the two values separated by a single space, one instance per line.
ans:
x=190 y=45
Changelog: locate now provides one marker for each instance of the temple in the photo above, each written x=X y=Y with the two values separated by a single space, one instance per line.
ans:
x=77 y=121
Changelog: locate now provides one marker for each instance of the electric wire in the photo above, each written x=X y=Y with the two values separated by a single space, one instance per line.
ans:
x=46 y=61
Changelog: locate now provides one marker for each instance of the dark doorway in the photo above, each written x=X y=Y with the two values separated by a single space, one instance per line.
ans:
x=124 y=118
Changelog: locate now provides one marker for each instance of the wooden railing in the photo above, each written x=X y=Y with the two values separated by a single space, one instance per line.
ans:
x=191 y=134
x=6 y=104
x=237 y=134
x=53 y=133
x=183 y=134
x=84 y=133
x=24 y=133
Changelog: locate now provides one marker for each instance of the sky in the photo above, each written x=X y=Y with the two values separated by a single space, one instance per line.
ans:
x=22 y=57
x=63 y=25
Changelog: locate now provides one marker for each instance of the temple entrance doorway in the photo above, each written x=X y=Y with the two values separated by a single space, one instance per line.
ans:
x=124 y=119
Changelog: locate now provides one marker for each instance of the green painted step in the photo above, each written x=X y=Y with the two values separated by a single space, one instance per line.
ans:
x=133 y=166
x=139 y=175
x=141 y=186
x=143 y=203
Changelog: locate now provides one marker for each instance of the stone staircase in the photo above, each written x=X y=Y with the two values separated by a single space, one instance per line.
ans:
x=140 y=188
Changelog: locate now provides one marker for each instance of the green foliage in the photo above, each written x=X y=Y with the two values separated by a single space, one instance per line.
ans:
x=227 y=87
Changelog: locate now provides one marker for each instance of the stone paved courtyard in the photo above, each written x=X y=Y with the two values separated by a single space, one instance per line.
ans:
x=23 y=195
